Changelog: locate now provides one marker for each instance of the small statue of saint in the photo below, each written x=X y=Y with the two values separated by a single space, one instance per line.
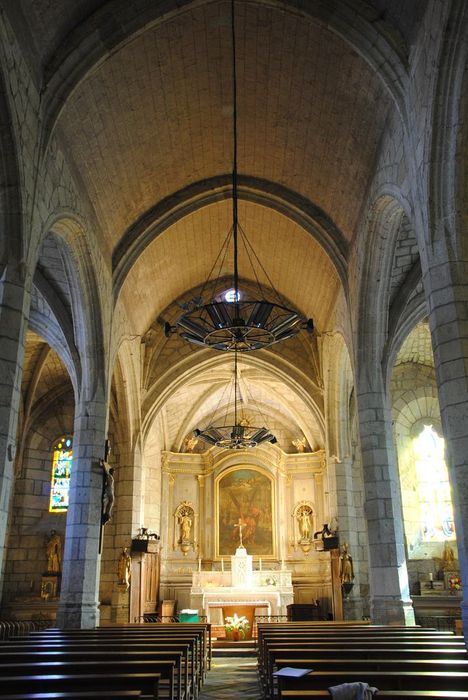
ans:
x=305 y=525
x=124 y=568
x=185 y=522
x=346 y=565
x=54 y=553
x=448 y=557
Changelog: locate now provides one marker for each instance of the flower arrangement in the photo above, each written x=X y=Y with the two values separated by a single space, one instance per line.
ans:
x=236 y=627
x=454 y=583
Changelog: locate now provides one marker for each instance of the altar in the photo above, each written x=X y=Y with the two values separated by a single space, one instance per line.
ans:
x=242 y=587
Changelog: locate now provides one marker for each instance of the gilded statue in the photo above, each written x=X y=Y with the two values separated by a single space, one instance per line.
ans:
x=448 y=557
x=346 y=565
x=124 y=568
x=305 y=525
x=54 y=553
x=185 y=522
x=299 y=444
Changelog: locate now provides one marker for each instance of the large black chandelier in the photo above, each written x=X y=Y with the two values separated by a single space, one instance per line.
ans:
x=241 y=435
x=237 y=323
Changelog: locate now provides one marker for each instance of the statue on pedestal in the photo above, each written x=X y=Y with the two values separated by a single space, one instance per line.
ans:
x=124 y=568
x=54 y=553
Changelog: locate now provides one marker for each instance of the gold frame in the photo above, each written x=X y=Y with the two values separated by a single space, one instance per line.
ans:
x=267 y=556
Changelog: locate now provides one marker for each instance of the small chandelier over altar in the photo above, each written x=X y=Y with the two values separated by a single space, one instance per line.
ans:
x=240 y=436
x=234 y=321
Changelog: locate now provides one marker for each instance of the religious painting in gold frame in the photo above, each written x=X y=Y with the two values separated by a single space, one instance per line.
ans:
x=247 y=493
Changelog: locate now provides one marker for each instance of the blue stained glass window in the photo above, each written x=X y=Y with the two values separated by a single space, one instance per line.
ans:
x=60 y=478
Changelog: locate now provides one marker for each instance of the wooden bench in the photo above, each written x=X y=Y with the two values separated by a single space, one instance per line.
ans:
x=201 y=631
x=146 y=683
x=384 y=680
x=188 y=675
x=387 y=694
x=104 y=694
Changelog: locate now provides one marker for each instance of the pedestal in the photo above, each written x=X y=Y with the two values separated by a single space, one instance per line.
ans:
x=242 y=568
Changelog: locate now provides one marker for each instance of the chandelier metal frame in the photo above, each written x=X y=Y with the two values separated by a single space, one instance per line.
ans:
x=240 y=325
x=237 y=436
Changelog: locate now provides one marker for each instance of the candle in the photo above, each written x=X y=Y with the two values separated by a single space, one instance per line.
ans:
x=282 y=563
x=199 y=563
x=430 y=577
x=260 y=563
x=222 y=564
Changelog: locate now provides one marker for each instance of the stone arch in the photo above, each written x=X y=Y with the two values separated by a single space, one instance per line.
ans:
x=203 y=193
x=448 y=176
x=206 y=361
x=383 y=227
x=85 y=325
x=355 y=22
x=339 y=390
x=12 y=248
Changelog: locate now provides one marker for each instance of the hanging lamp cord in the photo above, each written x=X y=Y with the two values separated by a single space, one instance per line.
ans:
x=234 y=156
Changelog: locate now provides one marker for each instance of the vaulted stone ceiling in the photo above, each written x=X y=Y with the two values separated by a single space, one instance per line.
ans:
x=153 y=115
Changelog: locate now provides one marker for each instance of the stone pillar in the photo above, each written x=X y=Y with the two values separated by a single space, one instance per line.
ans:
x=14 y=310
x=126 y=520
x=389 y=587
x=79 y=605
x=448 y=319
x=346 y=496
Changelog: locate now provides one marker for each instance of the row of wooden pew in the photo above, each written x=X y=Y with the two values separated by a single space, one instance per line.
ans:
x=402 y=662
x=167 y=661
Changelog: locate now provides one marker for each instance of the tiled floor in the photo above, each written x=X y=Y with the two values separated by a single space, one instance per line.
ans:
x=232 y=677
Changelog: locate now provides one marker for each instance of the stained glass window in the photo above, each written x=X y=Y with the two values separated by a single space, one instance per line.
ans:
x=60 y=479
x=435 y=503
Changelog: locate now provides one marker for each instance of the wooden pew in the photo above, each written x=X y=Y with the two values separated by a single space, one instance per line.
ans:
x=164 y=670
x=318 y=657
x=384 y=694
x=146 y=683
x=78 y=695
x=384 y=680
x=202 y=631
x=187 y=676
x=167 y=665
x=198 y=637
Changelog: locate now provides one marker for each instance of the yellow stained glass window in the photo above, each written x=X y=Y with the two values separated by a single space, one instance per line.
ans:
x=60 y=479
x=435 y=502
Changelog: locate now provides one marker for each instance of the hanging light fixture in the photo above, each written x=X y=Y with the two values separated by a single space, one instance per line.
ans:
x=233 y=321
x=239 y=436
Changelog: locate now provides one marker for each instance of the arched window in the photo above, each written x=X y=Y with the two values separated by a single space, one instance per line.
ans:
x=60 y=479
x=433 y=488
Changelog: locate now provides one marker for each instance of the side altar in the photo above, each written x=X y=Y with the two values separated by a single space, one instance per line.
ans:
x=242 y=587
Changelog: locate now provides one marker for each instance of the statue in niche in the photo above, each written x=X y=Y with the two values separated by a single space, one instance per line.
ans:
x=54 y=553
x=185 y=522
x=305 y=524
x=124 y=568
x=185 y=526
x=346 y=565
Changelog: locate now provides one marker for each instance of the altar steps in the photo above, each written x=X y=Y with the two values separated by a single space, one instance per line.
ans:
x=228 y=648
